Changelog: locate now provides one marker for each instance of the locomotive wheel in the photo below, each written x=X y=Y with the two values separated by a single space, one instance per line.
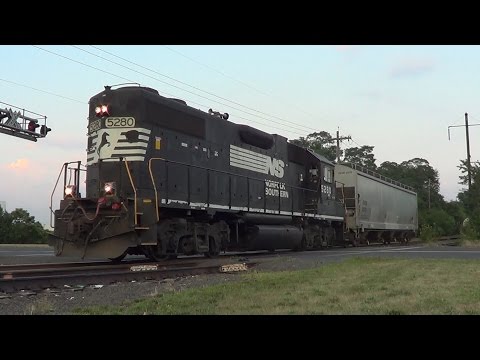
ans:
x=151 y=252
x=213 y=249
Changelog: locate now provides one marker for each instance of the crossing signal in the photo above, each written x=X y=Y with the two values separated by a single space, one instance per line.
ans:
x=44 y=130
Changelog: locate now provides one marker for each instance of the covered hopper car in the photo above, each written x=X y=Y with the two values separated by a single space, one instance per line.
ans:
x=376 y=208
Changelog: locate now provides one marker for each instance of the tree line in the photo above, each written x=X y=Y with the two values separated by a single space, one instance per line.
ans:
x=436 y=217
x=19 y=227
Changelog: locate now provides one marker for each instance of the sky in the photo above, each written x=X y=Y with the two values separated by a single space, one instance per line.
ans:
x=399 y=99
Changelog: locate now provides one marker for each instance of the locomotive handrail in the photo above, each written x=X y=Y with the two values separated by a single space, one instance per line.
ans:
x=153 y=182
x=134 y=191
x=77 y=183
x=218 y=171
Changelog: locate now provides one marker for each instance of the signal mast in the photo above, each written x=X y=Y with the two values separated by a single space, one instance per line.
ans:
x=22 y=123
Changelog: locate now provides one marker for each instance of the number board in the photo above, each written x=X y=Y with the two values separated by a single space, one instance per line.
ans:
x=94 y=126
x=119 y=122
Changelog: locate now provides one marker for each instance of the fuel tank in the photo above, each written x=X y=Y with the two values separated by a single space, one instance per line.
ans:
x=270 y=237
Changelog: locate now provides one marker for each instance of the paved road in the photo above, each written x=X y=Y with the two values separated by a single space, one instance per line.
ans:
x=29 y=254
x=23 y=254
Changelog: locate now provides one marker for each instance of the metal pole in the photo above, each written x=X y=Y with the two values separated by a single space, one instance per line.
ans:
x=468 y=153
x=338 y=147
x=429 y=193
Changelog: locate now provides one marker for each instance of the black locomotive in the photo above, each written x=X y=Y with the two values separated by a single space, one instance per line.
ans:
x=163 y=179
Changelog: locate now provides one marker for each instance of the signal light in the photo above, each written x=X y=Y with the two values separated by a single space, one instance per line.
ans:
x=98 y=110
x=44 y=130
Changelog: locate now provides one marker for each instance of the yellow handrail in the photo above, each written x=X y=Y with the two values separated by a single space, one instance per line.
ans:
x=134 y=191
x=153 y=182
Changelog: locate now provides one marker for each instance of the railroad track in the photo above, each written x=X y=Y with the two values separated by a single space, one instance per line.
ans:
x=37 y=277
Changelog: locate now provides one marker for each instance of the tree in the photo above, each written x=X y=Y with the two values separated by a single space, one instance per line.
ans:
x=419 y=174
x=456 y=210
x=474 y=171
x=361 y=155
x=5 y=225
x=18 y=227
x=320 y=142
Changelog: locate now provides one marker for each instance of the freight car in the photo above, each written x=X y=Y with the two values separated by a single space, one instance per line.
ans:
x=164 y=178
x=377 y=208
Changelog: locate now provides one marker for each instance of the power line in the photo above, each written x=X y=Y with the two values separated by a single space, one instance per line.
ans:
x=213 y=69
x=290 y=131
x=85 y=103
x=356 y=143
x=79 y=62
x=123 y=78
x=184 y=83
x=93 y=67
x=239 y=81
x=43 y=91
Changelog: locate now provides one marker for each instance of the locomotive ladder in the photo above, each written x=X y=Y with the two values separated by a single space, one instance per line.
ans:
x=135 y=200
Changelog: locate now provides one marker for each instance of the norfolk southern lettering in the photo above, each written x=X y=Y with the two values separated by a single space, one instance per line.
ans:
x=275 y=188
x=253 y=161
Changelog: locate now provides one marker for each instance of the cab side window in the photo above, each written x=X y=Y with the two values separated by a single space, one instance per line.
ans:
x=328 y=174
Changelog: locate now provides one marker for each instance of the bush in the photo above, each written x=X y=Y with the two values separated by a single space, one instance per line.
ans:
x=471 y=229
x=440 y=222
x=427 y=233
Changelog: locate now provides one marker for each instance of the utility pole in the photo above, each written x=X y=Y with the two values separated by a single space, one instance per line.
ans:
x=338 y=138
x=429 y=193
x=468 y=153
x=468 y=147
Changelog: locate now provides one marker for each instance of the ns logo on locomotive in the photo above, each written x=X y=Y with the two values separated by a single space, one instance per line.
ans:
x=164 y=179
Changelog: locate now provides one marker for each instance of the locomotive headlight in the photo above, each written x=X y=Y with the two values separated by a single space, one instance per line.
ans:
x=102 y=110
x=109 y=188
x=69 y=190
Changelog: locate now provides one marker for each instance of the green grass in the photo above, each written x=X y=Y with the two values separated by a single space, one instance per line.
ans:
x=355 y=286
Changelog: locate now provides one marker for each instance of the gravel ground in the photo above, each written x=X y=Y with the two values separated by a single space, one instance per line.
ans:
x=66 y=300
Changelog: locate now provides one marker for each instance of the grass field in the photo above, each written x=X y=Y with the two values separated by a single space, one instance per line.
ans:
x=355 y=286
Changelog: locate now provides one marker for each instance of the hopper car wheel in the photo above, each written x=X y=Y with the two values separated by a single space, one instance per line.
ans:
x=119 y=258
x=353 y=239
